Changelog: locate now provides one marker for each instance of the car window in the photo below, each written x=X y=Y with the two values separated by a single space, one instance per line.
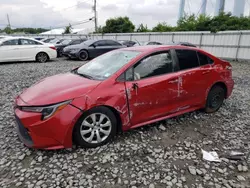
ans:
x=100 y=43
x=11 y=42
x=76 y=42
x=203 y=59
x=106 y=65
x=28 y=42
x=112 y=43
x=187 y=59
x=153 y=65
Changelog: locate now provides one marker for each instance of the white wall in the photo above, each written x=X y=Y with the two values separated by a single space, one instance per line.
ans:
x=229 y=44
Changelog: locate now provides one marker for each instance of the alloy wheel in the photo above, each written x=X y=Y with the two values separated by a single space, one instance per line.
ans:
x=42 y=57
x=95 y=128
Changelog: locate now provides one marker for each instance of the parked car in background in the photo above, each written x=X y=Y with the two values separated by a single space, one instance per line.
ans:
x=145 y=43
x=127 y=43
x=47 y=40
x=91 y=49
x=57 y=41
x=67 y=42
x=25 y=49
x=39 y=38
x=3 y=36
x=122 y=89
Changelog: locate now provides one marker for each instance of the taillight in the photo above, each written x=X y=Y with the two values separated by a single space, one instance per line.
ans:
x=53 y=47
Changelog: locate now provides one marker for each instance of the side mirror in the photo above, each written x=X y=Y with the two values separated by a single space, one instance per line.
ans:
x=93 y=45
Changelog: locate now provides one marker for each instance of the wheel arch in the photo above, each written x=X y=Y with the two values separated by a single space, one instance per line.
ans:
x=223 y=85
x=116 y=113
x=42 y=52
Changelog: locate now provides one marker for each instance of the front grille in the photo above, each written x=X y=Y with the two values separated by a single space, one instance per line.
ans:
x=23 y=133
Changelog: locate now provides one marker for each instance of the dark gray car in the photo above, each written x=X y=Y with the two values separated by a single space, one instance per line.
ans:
x=91 y=49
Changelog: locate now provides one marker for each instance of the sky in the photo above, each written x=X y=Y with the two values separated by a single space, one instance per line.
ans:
x=59 y=13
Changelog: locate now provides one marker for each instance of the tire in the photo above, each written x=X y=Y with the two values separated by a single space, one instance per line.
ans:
x=42 y=57
x=83 y=55
x=85 y=134
x=215 y=99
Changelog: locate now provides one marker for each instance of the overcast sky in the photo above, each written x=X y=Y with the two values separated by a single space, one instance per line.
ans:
x=57 y=13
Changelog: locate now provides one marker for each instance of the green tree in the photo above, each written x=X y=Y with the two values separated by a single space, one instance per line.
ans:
x=118 y=25
x=163 y=27
x=68 y=29
x=142 y=28
x=8 y=30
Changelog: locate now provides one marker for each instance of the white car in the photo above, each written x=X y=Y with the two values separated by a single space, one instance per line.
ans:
x=25 y=49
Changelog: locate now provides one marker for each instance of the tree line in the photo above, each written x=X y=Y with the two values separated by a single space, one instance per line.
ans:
x=9 y=30
x=222 y=22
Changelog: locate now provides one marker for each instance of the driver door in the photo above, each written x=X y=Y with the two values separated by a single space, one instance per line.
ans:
x=151 y=88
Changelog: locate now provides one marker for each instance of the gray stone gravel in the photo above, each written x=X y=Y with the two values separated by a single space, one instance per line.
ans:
x=164 y=154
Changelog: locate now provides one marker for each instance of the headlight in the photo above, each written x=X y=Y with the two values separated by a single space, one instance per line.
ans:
x=46 y=111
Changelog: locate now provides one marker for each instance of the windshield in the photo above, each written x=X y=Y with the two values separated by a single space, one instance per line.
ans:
x=54 y=40
x=106 y=65
x=88 y=42
x=66 y=41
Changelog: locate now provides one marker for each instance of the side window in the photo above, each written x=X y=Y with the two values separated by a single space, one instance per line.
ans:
x=28 y=42
x=100 y=43
x=204 y=60
x=76 y=42
x=11 y=42
x=112 y=43
x=187 y=59
x=153 y=65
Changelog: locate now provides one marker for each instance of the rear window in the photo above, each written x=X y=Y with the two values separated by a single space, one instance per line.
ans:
x=204 y=59
x=187 y=59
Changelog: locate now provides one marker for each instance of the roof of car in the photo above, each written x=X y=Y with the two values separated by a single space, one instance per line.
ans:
x=155 y=47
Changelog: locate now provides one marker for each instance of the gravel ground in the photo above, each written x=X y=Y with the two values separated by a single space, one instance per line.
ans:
x=165 y=154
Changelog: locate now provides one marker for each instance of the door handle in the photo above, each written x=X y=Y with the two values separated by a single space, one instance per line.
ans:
x=173 y=81
x=206 y=72
x=135 y=86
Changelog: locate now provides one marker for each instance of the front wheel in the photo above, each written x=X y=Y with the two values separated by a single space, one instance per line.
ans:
x=215 y=99
x=95 y=128
x=42 y=57
x=83 y=55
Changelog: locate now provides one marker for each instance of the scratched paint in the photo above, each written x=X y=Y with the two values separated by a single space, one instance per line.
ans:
x=179 y=86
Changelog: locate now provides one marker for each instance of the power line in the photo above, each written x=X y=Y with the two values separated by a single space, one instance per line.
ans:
x=203 y=4
x=189 y=7
x=211 y=1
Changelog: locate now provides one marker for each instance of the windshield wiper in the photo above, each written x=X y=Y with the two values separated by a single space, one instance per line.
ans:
x=84 y=75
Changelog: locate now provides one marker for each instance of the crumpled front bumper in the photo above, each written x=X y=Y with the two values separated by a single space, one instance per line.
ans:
x=53 y=133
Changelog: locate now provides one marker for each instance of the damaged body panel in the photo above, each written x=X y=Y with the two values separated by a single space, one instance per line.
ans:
x=125 y=88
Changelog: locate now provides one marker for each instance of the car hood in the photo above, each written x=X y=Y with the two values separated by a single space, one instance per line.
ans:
x=58 y=88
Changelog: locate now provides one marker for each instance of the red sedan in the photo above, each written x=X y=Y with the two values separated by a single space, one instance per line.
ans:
x=120 y=90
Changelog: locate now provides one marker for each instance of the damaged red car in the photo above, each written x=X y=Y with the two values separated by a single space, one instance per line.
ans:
x=120 y=90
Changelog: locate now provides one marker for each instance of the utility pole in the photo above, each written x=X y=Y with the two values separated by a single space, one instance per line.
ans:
x=8 y=19
x=95 y=11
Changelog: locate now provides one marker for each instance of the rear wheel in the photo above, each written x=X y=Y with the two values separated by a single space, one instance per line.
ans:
x=83 y=55
x=215 y=99
x=42 y=57
x=95 y=128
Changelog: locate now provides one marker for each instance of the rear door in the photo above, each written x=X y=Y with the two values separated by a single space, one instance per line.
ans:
x=9 y=50
x=193 y=79
x=151 y=88
x=112 y=45
x=99 y=48
x=29 y=49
